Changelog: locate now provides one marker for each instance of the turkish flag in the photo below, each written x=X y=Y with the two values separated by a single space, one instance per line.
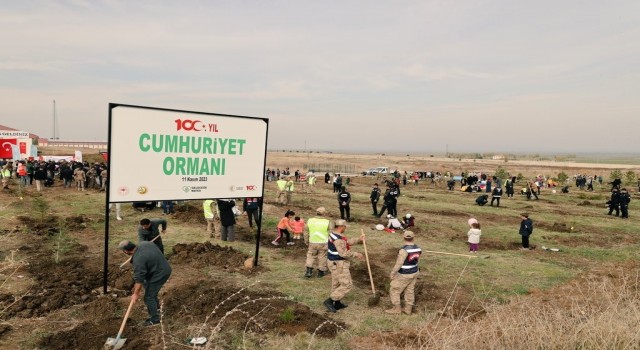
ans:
x=5 y=148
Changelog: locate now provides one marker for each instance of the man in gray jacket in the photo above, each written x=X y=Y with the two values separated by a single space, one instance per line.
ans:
x=150 y=229
x=151 y=270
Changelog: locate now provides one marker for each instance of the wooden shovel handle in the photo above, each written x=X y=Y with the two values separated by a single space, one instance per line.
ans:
x=366 y=256
x=126 y=316
x=124 y=263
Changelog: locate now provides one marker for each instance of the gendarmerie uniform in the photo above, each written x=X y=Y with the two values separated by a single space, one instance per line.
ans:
x=404 y=276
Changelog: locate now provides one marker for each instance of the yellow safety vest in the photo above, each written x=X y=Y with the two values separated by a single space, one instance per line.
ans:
x=6 y=173
x=312 y=180
x=318 y=230
x=289 y=186
x=281 y=184
x=208 y=212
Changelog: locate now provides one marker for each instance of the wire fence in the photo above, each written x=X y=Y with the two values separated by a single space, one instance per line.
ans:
x=331 y=168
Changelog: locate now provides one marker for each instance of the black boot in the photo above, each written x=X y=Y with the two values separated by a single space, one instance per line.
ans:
x=321 y=273
x=339 y=305
x=329 y=305
x=309 y=272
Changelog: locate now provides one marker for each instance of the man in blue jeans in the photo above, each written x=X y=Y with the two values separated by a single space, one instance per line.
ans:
x=150 y=270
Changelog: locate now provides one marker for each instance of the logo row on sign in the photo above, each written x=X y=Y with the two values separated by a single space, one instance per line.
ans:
x=123 y=190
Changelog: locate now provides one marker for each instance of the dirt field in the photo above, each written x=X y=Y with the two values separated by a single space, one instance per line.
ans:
x=51 y=269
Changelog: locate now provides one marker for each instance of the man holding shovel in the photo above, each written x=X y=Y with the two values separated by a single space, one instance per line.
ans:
x=151 y=270
x=339 y=256
x=404 y=276
x=149 y=229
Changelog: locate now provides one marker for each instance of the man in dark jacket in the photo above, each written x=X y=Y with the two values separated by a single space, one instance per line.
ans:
x=526 y=229
x=151 y=270
x=482 y=199
x=624 y=200
x=388 y=199
x=614 y=202
x=66 y=174
x=495 y=195
x=227 y=219
x=344 y=201
x=375 y=196
x=251 y=206
x=150 y=229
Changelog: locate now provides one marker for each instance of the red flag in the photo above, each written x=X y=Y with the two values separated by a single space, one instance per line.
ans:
x=5 y=147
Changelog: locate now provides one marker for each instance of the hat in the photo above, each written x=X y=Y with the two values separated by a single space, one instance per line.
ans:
x=340 y=222
x=408 y=234
x=526 y=215
x=321 y=211
x=408 y=216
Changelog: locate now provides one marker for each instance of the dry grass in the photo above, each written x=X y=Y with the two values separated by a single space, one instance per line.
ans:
x=600 y=312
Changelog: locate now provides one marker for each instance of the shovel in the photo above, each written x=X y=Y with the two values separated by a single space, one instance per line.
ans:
x=118 y=342
x=375 y=299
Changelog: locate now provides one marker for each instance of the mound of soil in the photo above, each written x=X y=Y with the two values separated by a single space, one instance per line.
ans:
x=492 y=243
x=4 y=329
x=56 y=286
x=49 y=225
x=189 y=213
x=76 y=223
x=557 y=227
x=360 y=277
x=106 y=316
x=267 y=237
x=233 y=310
x=208 y=254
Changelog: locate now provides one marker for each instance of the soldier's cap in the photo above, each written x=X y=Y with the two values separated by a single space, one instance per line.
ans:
x=340 y=222
x=321 y=211
x=408 y=234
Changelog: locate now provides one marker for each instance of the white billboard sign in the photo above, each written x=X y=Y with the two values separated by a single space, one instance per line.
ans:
x=160 y=154
x=13 y=133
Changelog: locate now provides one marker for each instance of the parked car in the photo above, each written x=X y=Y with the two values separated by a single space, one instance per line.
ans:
x=375 y=171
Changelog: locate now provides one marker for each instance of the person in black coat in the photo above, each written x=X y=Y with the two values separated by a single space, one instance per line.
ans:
x=227 y=219
x=495 y=195
x=251 y=206
x=614 y=202
x=526 y=229
x=375 y=196
x=624 y=200
x=482 y=199
x=344 y=203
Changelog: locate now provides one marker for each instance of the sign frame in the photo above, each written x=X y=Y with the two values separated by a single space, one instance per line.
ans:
x=108 y=198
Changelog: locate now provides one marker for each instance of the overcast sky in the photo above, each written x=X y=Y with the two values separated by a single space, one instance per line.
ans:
x=502 y=76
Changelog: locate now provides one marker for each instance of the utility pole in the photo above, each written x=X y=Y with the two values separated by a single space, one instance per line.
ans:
x=447 y=151
x=55 y=122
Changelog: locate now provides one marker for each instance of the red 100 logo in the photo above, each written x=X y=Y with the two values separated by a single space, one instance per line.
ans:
x=195 y=125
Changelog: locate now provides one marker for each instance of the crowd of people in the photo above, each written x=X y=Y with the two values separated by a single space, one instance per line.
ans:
x=73 y=174
x=329 y=247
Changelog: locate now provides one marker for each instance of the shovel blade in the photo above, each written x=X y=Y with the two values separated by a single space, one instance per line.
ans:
x=114 y=343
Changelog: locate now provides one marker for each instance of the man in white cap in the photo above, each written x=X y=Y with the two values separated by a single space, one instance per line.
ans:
x=404 y=275
x=339 y=260
x=316 y=237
